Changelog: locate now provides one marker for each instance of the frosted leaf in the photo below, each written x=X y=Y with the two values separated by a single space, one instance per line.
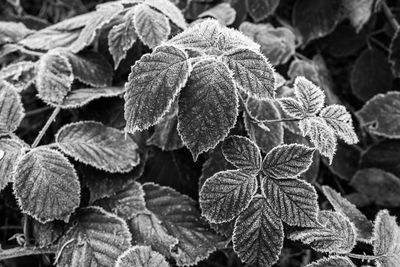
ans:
x=11 y=151
x=100 y=146
x=226 y=194
x=151 y=26
x=310 y=96
x=223 y=12
x=169 y=10
x=11 y=110
x=337 y=234
x=362 y=225
x=339 y=119
x=20 y=75
x=332 y=261
x=46 y=234
x=258 y=234
x=95 y=238
x=153 y=84
x=46 y=185
x=242 y=153
x=252 y=72
x=233 y=39
x=287 y=161
x=293 y=200
x=141 y=256
x=292 y=107
x=208 y=106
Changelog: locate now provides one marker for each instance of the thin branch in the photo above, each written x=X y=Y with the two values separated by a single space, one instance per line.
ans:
x=389 y=15
x=25 y=251
x=36 y=111
x=46 y=126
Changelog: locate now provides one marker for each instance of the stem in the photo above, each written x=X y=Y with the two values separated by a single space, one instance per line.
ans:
x=362 y=257
x=36 y=111
x=25 y=251
x=46 y=126
x=389 y=15
x=281 y=120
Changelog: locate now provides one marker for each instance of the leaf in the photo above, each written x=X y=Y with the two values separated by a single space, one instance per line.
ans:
x=358 y=12
x=381 y=187
x=54 y=77
x=292 y=107
x=20 y=75
x=242 y=153
x=379 y=115
x=46 y=185
x=333 y=261
x=310 y=96
x=252 y=72
x=169 y=10
x=11 y=151
x=287 y=161
x=141 y=256
x=305 y=68
x=394 y=54
x=258 y=234
x=95 y=238
x=293 y=200
x=100 y=146
x=336 y=236
x=370 y=74
x=208 y=106
x=363 y=226
x=387 y=240
x=153 y=84
x=151 y=26
x=11 y=110
x=316 y=19
x=46 y=234
x=339 y=119
x=226 y=194
x=166 y=135
x=261 y=9
x=11 y=32
x=223 y=12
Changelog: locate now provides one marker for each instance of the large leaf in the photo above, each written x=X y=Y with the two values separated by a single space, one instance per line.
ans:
x=293 y=200
x=252 y=72
x=11 y=110
x=141 y=256
x=258 y=234
x=20 y=75
x=170 y=10
x=261 y=9
x=226 y=194
x=287 y=161
x=332 y=261
x=208 y=106
x=97 y=145
x=95 y=238
x=394 y=54
x=46 y=185
x=11 y=152
x=152 y=86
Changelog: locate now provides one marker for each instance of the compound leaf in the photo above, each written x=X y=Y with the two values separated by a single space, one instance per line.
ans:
x=95 y=238
x=226 y=194
x=169 y=10
x=242 y=153
x=20 y=75
x=394 y=54
x=293 y=200
x=258 y=234
x=261 y=9
x=46 y=185
x=153 y=84
x=141 y=256
x=332 y=261
x=100 y=146
x=311 y=97
x=11 y=152
x=287 y=161
x=208 y=106
x=11 y=110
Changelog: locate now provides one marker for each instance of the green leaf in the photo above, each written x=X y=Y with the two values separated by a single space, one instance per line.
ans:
x=46 y=185
x=252 y=72
x=358 y=12
x=169 y=10
x=20 y=75
x=394 y=54
x=100 y=146
x=11 y=110
x=258 y=234
x=226 y=194
x=141 y=256
x=287 y=161
x=151 y=26
x=208 y=106
x=242 y=153
x=11 y=152
x=223 y=12
x=293 y=200
x=261 y=9
x=332 y=261
x=153 y=85
x=386 y=240
x=95 y=238
x=310 y=96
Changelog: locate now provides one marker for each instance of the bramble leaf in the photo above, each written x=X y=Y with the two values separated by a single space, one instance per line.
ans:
x=208 y=106
x=226 y=194
x=46 y=185
x=153 y=84
x=95 y=238
x=261 y=9
x=100 y=146
x=20 y=75
x=223 y=12
x=394 y=54
x=287 y=161
x=242 y=153
x=258 y=234
x=11 y=151
x=141 y=256
x=293 y=200
x=292 y=107
x=169 y=10
x=11 y=110
x=310 y=96
x=332 y=261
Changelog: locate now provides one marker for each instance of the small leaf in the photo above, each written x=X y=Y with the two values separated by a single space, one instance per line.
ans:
x=141 y=256
x=310 y=96
x=332 y=261
x=226 y=194
x=152 y=86
x=358 y=12
x=169 y=10
x=292 y=107
x=394 y=54
x=11 y=153
x=46 y=185
x=99 y=146
x=208 y=106
x=20 y=75
x=258 y=234
x=242 y=153
x=11 y=110
x=293 y=200
x=151 y=26
x=287 y=161
x=252 y=72
x=166 y=135
x=261 y=9
x=95 y=238
x=223 y=12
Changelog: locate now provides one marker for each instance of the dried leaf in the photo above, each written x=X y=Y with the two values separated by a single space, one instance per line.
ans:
x=11 y=110
x=141 y=256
